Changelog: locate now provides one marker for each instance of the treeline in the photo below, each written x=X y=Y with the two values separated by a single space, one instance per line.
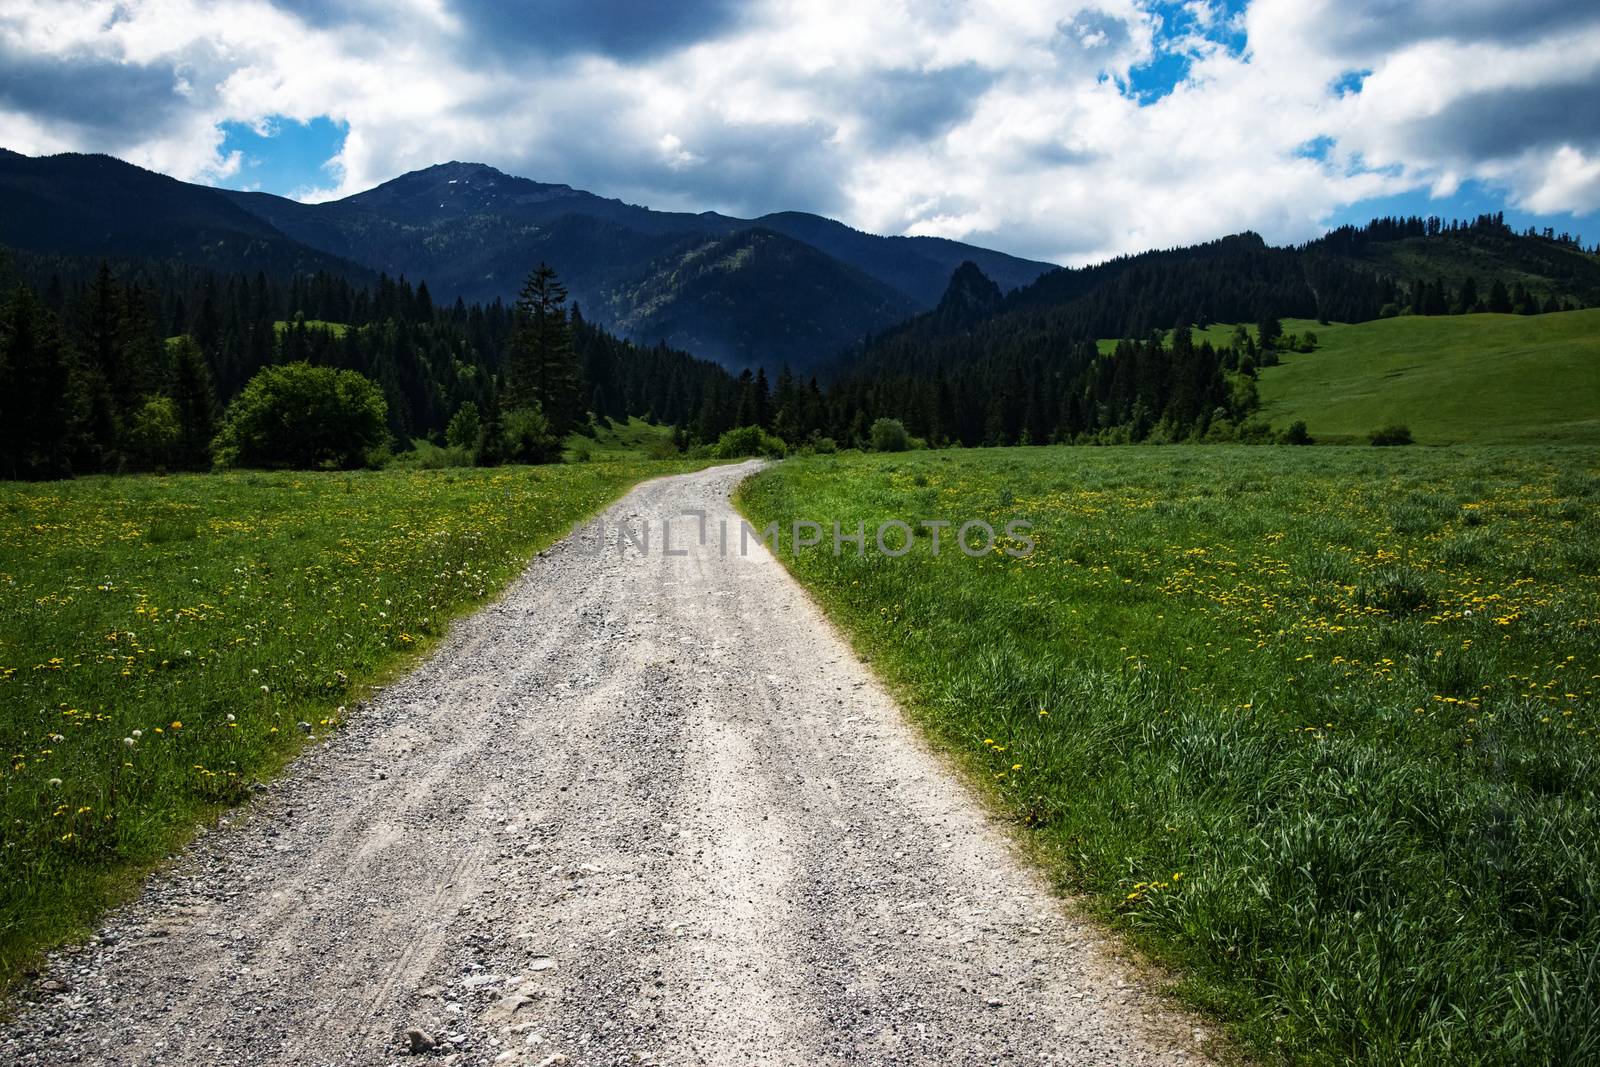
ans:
x=1151 y=389
x=132 y=366
x=1353 y=240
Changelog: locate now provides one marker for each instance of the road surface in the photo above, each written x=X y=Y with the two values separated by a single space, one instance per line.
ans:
x=645 y=808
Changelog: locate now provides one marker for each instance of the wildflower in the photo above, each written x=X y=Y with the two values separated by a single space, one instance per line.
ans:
x=130 y=742
x=55 y=783
x=177 y=725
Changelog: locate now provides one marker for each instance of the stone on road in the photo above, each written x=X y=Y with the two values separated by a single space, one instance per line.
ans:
x=645 y=808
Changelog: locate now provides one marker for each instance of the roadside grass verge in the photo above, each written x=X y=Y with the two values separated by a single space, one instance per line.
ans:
x=162 y=637
x=1315 y=726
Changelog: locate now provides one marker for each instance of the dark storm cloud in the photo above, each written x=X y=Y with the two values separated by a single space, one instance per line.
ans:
x=1505 y=123
x=912 y=105
x=751 y=170
x=106 y=99
x=623 y=29
x=1388 y=25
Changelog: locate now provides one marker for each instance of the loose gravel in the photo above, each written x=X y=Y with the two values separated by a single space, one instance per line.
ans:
x=643 y=809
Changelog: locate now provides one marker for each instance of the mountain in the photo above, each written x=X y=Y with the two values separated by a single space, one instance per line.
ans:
x=473 y=231
x=753 y=296
x=90 y=205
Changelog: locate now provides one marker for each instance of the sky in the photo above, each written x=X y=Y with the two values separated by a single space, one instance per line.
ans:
x=1064 y=131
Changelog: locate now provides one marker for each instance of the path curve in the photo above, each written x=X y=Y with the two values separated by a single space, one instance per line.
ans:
x=642 y=809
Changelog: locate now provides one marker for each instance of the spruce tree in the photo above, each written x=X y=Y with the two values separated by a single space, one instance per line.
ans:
x=543 y=370
x=33 y=392
x=196 y=399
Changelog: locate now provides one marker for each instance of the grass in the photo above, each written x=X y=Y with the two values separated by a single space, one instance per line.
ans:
x=1315 y=726
x=1484 y=379
x=1453 y=379
x=336 y=328
x=634 y=439
x=161 y=638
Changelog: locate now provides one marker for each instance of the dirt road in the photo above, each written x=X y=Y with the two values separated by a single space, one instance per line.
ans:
x=644 y=809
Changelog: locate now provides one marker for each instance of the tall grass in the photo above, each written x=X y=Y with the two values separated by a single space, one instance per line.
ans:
x=1317 y=726
x=162 y=638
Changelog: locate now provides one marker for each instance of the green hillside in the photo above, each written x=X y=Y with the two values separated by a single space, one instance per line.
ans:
x=1451 y=379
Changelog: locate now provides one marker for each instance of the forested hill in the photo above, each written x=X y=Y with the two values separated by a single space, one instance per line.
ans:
x=473 y=232
x=1353 y=274
x=983 y=367
x=95 y=354
x=788 y=288
x=90 y=205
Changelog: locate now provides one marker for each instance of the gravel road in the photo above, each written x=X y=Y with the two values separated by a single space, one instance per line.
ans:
x=643 y=809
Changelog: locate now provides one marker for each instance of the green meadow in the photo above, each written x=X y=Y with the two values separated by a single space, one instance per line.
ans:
x=162 y=638
x=1316 y=727
x=1452 y=379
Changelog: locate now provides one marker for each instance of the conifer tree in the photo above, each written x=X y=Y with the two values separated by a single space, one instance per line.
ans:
x=33 y=392
x=543 y=371
x=195 y=397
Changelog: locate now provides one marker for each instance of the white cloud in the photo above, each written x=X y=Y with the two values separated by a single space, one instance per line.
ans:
x=1007 y=122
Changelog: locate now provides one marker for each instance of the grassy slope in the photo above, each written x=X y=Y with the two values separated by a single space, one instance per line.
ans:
x=1337 y=764
x=211 y=613
x=631 y=440
x=1459 y=378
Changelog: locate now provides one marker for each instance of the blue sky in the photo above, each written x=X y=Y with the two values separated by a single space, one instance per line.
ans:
x=1068 y=130
x=282 y=155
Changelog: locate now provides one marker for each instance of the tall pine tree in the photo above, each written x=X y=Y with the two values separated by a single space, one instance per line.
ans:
x=543 y=370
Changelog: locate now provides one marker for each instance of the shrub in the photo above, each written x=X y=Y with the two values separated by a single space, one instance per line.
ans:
x=464 y=425
x=428 y=456
x=154 y=432
x=305 y=417
x=662 y=448
x=1391 y=435
x=1297 y=434
x=824 y=446
x=528 y=438
x=889 y=435
x=748 y=441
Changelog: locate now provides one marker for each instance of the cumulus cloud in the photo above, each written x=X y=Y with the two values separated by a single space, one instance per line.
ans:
x=1068 y=130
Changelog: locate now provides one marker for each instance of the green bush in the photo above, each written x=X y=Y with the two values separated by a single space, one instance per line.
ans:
x=427 y=456
x=748 y=441
x=154 y=432
x=889 y=435
x=304 y=417
x=1391 y=435
x=528 y=438
x=464 y=425
x=1297 y=434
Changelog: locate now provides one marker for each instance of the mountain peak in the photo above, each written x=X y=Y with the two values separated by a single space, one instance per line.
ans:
x=459 y=188
x=970 y=296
